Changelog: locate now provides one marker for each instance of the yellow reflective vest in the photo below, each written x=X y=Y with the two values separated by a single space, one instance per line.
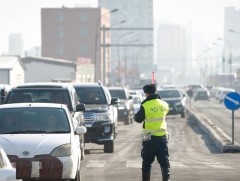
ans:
x=155 y=112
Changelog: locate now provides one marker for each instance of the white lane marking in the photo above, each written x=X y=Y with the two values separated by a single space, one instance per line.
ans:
x=96 y=163
x=178 y=165
x=134 y=164
x=232 y=100
x=221 y=167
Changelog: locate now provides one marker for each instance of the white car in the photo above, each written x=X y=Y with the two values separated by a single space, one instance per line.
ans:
x=137 y=100
x=41 y=140
x=7 y=172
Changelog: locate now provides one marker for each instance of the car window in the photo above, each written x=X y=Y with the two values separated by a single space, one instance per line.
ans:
x=169 y=93
x=33 y=120
x=40 y=95
x=91 y=95
x=118 y=93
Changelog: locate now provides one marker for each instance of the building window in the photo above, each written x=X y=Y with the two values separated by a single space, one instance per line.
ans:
x=83 y=31
x=60 y=17
x=83 y=17
x=60 y=32
x=60 y=49
x=83 y=50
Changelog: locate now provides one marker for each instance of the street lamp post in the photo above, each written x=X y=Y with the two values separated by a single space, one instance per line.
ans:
x=122 y=36
x=96 y=42
x=230 y=52
x=126 y=62
x=104 y=49
x=230 y=55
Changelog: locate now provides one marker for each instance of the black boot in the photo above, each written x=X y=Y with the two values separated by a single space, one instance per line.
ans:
x=165 y=174
x=145 y=176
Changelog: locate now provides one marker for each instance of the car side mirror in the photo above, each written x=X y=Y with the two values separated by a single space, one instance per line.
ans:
x=80 y=130
x=115 y=101
x=80 y=107
x=130 y=97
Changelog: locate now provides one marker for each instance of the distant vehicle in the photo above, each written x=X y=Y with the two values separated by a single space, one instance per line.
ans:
x=195 y=87
x=223 y=93
x=100 y=116
x=125 y=107
x=137 y=100
x=175 y=99
x=202 y=94
x=7 y=172
x=213 y=91
x=49 y=92
x=41 y=140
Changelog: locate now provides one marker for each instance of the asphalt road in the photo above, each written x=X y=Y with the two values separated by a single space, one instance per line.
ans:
x=192 y=156
x=220 y=116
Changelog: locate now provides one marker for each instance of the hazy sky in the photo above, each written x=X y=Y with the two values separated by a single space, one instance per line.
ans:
x=23 y=16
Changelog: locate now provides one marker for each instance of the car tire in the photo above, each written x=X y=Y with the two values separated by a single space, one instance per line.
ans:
x=109 y=146
x=183 y=115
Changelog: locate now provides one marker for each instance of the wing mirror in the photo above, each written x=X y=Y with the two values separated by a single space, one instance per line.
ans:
x=81 y=107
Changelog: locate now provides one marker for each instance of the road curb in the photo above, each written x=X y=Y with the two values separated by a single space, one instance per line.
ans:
x=219 y=137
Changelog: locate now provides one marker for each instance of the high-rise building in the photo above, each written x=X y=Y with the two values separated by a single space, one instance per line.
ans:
x=174 y=56
x=130 y=61
x=73 y=33
x=15 y=44
x=232 y=38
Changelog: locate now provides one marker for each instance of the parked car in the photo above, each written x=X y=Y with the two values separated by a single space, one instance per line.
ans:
x=100 y=116
x=7 y=172
x=50 y=92
x=125 y=107
x=175 y=99
x=41 y=140
x=202 y=94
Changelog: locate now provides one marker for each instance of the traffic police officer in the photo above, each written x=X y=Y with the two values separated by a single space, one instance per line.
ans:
x=152 y=113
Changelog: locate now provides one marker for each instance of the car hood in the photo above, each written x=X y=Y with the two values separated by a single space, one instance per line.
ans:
x=96 y=107
x=171 y=99
x=32 y=144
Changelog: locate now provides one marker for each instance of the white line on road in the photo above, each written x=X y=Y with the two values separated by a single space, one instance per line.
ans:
x=134 y=164
x=96 y=163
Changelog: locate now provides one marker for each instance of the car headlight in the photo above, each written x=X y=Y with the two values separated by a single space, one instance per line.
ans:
x=62 y=151
x=102 y=116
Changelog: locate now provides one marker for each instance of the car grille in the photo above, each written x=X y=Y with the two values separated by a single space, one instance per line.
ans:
x=89 y=116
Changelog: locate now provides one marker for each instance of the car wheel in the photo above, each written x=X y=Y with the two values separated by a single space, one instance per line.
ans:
x=183 y=115
x=109 y=146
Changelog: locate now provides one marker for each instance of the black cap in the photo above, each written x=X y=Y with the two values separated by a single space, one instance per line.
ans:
x=150 y=88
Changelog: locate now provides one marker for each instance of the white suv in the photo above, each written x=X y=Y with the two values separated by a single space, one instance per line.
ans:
x=41 y=140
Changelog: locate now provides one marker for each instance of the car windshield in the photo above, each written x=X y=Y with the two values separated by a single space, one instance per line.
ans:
x=91 y=95
x=118 y=93
x=33 y=120
x=169 y=93
x=38 y=95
